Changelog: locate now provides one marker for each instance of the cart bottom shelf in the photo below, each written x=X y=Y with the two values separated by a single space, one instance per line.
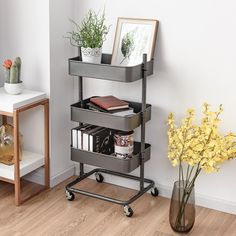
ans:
x=70 y=190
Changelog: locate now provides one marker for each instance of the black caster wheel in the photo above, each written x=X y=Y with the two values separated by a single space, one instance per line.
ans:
x=99 y=177
x=128 y=211
x=155 y=192
x=70 y=196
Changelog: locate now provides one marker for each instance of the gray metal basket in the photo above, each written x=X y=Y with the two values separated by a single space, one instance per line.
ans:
x=111 y=162
x=125 y=123
x=107 y=71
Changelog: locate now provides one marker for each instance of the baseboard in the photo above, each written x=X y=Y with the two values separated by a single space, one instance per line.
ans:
x=166 y=191
x=55 y=180
x=216 y=203
x=38 y=176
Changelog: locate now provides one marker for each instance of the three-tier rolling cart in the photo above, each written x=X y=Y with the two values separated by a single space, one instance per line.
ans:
x=109 y=164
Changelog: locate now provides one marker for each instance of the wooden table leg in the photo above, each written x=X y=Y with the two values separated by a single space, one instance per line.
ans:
x=4 y=119
x=16 y=157
x=46 y=145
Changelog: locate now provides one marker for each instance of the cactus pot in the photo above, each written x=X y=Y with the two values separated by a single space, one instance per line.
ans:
x=14 y=89
x=91 y=55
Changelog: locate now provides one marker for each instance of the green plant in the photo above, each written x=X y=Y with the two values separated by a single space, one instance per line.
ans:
x=12 y=71
x=92 y=32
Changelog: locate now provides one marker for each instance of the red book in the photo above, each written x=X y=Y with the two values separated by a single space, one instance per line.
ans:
x=109 y=103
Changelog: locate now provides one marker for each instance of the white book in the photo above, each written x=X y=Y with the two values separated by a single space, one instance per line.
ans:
x=79 y=140
x=86 y=137
x=79 y=135
x=74 y=138
x=85 y=142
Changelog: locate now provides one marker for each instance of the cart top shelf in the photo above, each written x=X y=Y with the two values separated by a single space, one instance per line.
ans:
x=107 y=71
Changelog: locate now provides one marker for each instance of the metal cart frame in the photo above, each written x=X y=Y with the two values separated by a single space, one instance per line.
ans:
x=70 y=190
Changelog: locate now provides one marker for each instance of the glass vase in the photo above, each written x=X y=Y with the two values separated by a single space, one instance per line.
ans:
x=182 y=207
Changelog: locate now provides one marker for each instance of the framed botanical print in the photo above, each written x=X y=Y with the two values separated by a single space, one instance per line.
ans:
x=133 y=38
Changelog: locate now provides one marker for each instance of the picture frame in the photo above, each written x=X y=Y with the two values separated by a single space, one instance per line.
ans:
x=133 y=38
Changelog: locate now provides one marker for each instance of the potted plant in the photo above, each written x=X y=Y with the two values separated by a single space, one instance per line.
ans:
x=90 y=36
x=13 y=84
x=194 y=148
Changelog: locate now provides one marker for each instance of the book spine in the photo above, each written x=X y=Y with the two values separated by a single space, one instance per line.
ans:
x=91 y=143
x=103 y=142
x=80 y=135
x=85 y=142
x=95 y=107
x=79 y=145
x=97 y=143
x=74 y=138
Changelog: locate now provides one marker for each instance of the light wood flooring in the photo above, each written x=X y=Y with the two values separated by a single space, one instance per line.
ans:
x=51 y=214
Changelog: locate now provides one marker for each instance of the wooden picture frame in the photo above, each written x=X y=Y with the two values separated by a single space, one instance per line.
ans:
x=133 y=38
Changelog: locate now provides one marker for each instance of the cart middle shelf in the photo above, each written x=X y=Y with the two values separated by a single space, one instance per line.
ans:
x=112 y=121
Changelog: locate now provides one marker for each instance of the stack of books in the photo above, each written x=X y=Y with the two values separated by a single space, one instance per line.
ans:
x=93 y=138
x=110 y=104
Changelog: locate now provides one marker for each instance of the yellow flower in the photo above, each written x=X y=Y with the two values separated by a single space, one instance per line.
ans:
x=200 y=145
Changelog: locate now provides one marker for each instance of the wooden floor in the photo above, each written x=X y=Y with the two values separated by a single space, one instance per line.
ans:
x=51 y=214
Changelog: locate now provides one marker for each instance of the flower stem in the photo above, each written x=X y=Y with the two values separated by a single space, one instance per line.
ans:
x=186 y=195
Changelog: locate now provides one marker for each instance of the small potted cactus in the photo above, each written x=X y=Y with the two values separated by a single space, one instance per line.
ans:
x=13 y=84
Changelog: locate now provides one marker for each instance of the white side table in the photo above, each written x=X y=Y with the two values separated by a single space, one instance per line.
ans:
x=11 y=106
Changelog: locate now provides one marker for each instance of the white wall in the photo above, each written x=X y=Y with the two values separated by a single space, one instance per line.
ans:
x=61 y=85
x=25 y=33
x=194 y=62
x=28 y=39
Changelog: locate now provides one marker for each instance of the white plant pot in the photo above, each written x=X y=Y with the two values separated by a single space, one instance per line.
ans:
x=13 y=89
x=91 y=55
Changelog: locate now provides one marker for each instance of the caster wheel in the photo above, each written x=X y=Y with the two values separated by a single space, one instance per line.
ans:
x=99 y=177
x=128 y=211
x=70 y=196
x=155 y=192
